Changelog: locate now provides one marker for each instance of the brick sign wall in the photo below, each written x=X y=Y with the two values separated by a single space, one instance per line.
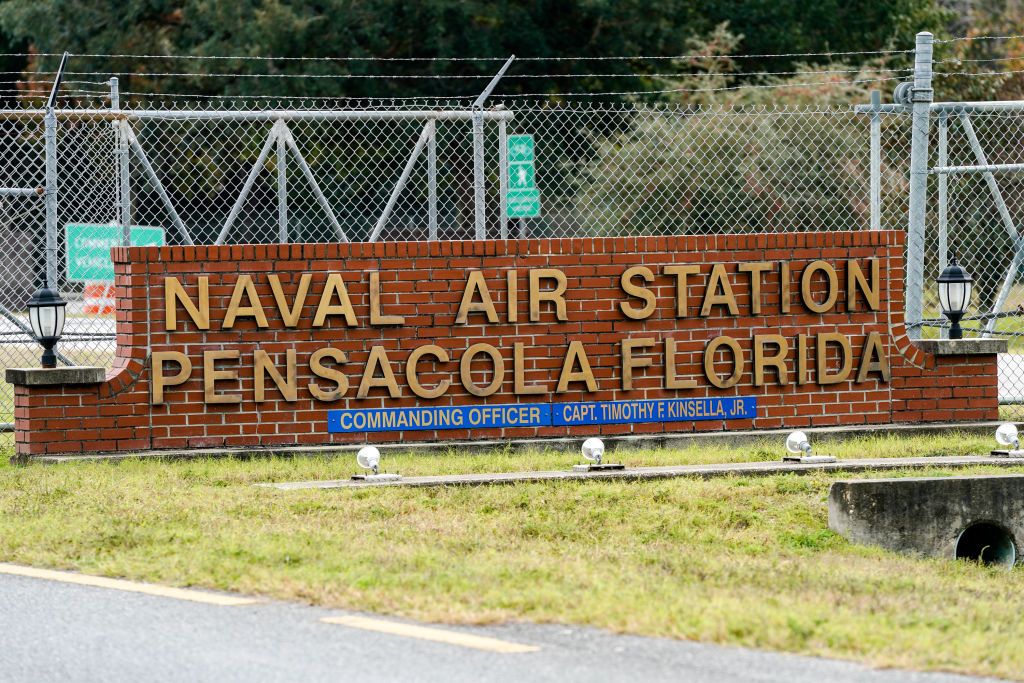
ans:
x=268 y=345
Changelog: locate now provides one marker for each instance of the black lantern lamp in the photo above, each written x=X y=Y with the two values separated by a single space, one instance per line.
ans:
x=46 y=314
x=955 y=286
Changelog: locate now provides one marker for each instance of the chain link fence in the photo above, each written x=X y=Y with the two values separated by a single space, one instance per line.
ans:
x=407 y=172
x=974 y=215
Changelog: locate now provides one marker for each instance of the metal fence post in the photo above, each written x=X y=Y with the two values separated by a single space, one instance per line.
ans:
x=943 y=199
x=479 y=191
x=503 y=177
x=282 y=190
x=921 y=97
x=876 y=160
x=124 y=200
x=50 y=193
x=432 y=181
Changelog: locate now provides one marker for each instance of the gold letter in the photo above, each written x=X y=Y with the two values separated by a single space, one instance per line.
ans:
x=411 y=371
x=801 y=359
x=855 y=280
x=512 y=278
x=211 y=374
x=264 y=366
x=519 y=372
x=290 y=317
x=755 y=269
x=805 y=286
x=576 y=354
x=823 y=340
x=375 y=316
x=336 y=376
x=378 y=359
x=556 y=295
x=873 y=358
x=671 y=381
x=719 y=278
x=253 y=310
x=629 y=362
x=784 y=286
x=159 y=381
x=777 y=361
x=465 y=369
x=325 y=308
x=639 y=291
x=173 y=291
x=737 y=362
x=681 y=272
x=474 y=284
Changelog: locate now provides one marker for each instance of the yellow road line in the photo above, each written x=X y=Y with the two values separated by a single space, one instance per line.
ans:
x=130 y=586
x=438 y=635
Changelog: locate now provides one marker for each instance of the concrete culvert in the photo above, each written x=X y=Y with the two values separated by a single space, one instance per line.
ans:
x=987 y=543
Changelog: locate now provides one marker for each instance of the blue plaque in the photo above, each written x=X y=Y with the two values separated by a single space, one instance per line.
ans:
x=439 y=417
x=541 y=414
x=654 y=410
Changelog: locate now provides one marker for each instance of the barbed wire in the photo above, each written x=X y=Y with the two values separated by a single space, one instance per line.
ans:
x=969 y=38
x=580 y=58
x=295 y=97
x=634 y=74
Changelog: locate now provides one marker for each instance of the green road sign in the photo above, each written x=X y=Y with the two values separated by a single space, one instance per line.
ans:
x=524 y=203
x=520 y=148
x=523 y=197
x=89 y=247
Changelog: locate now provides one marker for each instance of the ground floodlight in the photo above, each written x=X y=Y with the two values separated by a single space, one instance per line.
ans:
x=368 y=458
x=1006 y=435
x=797 y=442
x=593 y=450
x=799 y=446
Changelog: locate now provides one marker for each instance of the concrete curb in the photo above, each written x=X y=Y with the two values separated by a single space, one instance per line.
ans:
x=756 y=469
x=818 y=436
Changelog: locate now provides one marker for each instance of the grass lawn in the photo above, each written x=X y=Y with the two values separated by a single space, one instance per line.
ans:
x=740 y=560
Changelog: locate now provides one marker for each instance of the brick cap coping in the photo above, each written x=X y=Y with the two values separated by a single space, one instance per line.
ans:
x=669 y=440
x=671 y=472
x=37 y=377
x=962 y=347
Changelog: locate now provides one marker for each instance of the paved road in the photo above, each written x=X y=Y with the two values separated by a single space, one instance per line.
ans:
x=56 y=631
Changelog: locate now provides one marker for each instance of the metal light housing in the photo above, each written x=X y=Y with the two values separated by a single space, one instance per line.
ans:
x=368 y=458
x=593 y=450
x=1006 y=435
x=797 y=442
x=46 y=316
x=955 y=287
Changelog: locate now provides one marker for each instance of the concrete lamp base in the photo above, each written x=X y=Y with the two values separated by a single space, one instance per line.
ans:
x=603 y=467
x=808 y=459
x=376 y=477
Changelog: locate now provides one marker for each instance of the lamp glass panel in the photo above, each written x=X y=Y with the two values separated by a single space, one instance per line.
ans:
x=59 y=329
x=33 y=318
x=955 y=298
x=47 y=320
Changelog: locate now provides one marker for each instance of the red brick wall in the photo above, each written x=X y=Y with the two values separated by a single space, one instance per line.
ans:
x=425 y=282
